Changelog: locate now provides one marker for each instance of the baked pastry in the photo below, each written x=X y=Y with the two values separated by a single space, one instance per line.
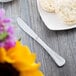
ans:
x=47 y=5
x=66 y=10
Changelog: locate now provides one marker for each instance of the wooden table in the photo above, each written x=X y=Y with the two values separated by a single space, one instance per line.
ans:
x=63 y=42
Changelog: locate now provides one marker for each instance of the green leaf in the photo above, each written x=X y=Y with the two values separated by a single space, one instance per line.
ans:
x=19 y=39
x=3 y=36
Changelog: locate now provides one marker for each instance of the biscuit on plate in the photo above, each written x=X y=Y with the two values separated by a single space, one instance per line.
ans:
x=66 y=9
x=47 y=5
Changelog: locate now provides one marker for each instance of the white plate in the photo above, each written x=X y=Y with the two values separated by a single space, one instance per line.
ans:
x=52 y=21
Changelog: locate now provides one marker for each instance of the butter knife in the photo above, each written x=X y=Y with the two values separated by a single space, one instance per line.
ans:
x=60 y=61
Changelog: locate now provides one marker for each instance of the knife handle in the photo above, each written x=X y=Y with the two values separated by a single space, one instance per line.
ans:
x=57 y=58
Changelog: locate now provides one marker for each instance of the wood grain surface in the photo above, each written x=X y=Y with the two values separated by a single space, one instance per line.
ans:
x=63 y=42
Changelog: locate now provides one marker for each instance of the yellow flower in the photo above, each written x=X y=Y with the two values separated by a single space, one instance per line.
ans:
x=21 y=59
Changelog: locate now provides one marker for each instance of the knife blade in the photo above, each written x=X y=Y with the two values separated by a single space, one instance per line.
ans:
x=60 y=61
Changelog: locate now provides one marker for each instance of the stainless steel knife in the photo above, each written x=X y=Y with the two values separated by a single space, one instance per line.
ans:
x=60 y=61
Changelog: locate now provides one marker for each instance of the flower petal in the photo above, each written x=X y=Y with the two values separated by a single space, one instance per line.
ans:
x=9 y=44
x=21 y=66
x=2 y=54
x=31 y=73
x=7 y=20
x=21 y=54
x=10 y=30
x=4 y=57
